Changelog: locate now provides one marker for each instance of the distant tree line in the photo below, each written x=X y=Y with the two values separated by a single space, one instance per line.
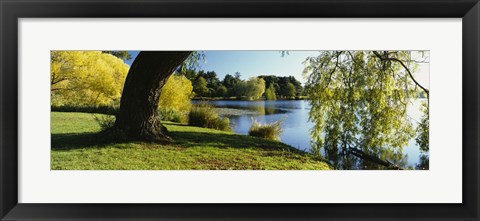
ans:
x=282 y=87
x=207 y=84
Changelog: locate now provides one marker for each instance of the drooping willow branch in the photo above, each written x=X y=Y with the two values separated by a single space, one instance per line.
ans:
x=404 y=66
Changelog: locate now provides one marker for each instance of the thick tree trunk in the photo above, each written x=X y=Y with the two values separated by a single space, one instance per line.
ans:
x=138 y=106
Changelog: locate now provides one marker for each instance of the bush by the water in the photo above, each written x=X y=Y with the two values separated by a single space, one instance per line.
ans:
x=204 y=115
x=269 y=131
x=169 y=114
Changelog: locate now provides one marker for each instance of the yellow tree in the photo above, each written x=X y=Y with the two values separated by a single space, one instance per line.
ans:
x=176 y=93
x=86 y=78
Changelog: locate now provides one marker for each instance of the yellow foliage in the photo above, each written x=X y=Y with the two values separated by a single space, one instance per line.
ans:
x=87 y=78
x=176 y=93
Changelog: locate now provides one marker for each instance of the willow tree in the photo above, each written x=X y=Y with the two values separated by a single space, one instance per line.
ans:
x=359 y=105
x=86 y=78
x=138 y=117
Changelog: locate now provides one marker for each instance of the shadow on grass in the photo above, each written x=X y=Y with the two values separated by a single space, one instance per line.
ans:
x=195 y=139
x=182 y=139
x=78 y=140
x=219 y=140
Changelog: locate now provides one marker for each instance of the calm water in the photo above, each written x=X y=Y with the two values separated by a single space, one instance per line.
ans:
x=296 y=127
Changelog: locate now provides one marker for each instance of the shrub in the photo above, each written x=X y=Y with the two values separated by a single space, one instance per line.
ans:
x=169 y=114
x=204 y=115
x=106 y=122
x=270 y=131
x=108 y=132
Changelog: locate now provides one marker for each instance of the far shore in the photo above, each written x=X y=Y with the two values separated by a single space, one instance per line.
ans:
x=244 y=99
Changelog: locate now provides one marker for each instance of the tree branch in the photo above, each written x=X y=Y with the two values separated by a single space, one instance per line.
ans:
x=404 y=66
x=56 y=81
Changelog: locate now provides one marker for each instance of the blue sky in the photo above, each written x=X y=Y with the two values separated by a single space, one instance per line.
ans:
x=255 y=63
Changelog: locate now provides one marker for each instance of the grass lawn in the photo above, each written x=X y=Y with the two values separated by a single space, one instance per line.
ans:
x=77 y=145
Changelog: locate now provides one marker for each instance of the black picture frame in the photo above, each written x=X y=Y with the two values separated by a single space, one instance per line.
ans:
x=12 y=10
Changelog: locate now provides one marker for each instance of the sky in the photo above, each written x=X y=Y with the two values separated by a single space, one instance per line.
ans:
x=255 y=63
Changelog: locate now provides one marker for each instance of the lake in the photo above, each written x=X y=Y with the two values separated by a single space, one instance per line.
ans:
x=296 y=127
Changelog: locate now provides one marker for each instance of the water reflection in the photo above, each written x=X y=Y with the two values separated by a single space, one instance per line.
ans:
x=424 y=162
x=296 y=133
x=367 y=158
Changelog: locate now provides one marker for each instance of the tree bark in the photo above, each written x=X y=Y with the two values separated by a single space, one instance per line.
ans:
x=138 y=117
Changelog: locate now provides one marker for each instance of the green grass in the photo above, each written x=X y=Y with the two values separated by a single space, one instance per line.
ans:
x=76 y=145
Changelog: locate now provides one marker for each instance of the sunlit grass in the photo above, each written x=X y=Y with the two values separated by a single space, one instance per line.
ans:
x=76 y=145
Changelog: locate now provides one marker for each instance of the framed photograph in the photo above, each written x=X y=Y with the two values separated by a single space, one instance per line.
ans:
x=239 y=110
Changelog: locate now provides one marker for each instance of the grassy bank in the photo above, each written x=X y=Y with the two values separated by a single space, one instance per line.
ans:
x=76 y=145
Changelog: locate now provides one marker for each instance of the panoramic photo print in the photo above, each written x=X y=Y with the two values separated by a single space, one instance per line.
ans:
x=240 y=110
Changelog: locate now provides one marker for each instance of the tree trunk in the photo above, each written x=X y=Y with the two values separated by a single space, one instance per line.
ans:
x=138 y=117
